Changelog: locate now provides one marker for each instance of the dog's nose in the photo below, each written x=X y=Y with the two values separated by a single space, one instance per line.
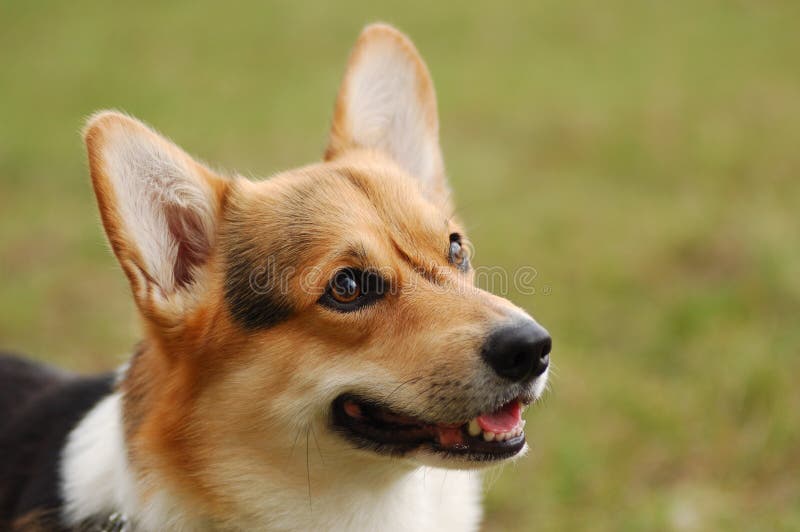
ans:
x=518 y=352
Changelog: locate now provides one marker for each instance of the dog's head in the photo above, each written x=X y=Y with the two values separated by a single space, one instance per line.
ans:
x=336 y=299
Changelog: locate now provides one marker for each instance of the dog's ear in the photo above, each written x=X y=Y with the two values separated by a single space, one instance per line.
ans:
x=387 y=102
x=159 y=207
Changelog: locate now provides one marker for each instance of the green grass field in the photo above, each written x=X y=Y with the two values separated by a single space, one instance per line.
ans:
x=644 y=157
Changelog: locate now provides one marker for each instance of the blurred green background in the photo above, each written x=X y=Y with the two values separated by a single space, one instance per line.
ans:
x=644 y=157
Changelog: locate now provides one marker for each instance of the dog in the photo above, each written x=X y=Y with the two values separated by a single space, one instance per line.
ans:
x=316 y=355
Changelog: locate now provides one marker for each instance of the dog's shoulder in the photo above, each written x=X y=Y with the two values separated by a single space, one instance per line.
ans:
x=39 y=406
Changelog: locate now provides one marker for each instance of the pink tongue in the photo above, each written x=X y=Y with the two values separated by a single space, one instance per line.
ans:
x=503 y=420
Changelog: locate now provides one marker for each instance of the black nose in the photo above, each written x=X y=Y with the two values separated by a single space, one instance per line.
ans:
x=518 y=352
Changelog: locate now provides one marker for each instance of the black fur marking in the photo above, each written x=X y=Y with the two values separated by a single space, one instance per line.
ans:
x=254 y=291
x=38 y=408
x=260 y=269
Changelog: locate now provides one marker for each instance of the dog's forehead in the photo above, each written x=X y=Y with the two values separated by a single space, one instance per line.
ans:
x=321 y=203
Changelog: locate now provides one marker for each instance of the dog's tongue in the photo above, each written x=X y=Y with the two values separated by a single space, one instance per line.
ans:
x=502 y=420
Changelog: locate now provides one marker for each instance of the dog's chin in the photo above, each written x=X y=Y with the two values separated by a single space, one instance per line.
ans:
x=485 y=439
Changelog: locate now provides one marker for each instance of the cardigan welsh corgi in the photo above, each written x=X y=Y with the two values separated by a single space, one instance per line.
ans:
x=316 y=355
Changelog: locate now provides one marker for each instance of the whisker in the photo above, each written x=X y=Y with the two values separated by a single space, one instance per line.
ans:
x=296 y=439
x=308 y=472
x=316 y=444
x=409 y=381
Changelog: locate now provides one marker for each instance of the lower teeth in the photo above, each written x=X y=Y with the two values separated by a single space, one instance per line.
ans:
x=474 y=430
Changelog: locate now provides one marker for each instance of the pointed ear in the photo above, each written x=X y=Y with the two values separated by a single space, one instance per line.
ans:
x=159 y=207
x=387 y=102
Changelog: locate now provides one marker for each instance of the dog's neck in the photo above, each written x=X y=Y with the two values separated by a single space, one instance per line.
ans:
x=98 y=480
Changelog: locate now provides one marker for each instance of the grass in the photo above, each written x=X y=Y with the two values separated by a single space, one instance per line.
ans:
x=643 y=157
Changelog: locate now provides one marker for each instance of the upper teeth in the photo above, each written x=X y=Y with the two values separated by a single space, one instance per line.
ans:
x=474 y=430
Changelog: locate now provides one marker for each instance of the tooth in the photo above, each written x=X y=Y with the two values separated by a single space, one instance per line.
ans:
x=488 y=436
x=474 y=429
x=504 y=436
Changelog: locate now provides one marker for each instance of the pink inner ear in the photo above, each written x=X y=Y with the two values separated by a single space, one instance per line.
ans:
x=189 y=232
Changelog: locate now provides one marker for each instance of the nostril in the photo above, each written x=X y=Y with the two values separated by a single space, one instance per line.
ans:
x=547 y=347
x=543 y=348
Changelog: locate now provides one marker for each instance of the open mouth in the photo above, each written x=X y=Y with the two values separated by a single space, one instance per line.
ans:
x=490 y=436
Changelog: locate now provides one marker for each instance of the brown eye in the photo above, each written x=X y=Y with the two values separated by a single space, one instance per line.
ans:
x=345 y=287
x=352 y=289
x=458 y=255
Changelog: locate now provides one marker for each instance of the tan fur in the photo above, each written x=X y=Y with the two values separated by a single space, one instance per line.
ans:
x=209 y=404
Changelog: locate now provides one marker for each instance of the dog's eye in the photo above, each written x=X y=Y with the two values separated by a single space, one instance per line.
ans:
x=351 y=289
x=344 y=287
x=458 y=254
